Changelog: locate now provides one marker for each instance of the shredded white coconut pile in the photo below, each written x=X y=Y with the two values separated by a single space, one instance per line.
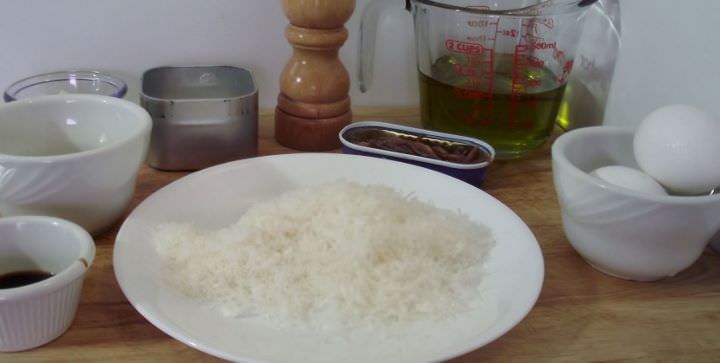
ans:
x=340 y=251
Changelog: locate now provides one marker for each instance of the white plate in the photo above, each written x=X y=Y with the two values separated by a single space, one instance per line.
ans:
x=217 y=196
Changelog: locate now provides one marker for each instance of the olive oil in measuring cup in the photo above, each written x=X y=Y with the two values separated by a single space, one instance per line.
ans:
x=494 y=70
x=511 y=107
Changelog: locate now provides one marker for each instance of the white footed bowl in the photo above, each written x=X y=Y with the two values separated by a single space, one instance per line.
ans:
x=71 y=156
x=35 y=314
x=621 y=232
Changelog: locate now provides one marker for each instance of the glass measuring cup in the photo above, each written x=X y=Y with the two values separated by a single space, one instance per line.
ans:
x=495 y=70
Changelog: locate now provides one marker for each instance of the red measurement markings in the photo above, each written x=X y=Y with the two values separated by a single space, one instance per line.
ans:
x=533 y=82
x=458 y=46
x=547 y=22
x=534 y=41
x=512 y=33
x=482 y=86
x=465 y=70
x=520 y=84
x=567 y=68
x=478 y=83
x=479 y=116
x=476 y=69
x=478 y=23
x=477 y=89
x=540 y=44
x=535 y=62
x=536 y=24
x=481 y=38
x=473 y=69
x=470 y=94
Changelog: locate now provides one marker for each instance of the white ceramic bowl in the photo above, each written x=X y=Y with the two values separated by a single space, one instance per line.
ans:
x=35 y=314
x=623 y=233
x=71 y=156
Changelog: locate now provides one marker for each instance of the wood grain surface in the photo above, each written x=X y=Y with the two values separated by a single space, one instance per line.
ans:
x=581 y=316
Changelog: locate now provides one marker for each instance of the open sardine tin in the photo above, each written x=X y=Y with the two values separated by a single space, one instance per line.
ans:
x=461 y=157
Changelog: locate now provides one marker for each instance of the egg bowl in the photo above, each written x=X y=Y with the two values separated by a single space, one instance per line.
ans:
x=621 y=232
x=71 y=156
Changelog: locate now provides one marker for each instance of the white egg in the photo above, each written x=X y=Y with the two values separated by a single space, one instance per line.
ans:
x=629 y=178
x=679 y=146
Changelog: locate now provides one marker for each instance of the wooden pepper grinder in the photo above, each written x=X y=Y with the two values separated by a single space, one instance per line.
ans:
x=313 y=104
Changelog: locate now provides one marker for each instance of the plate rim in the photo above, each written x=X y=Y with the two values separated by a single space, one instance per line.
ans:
x=176 y=333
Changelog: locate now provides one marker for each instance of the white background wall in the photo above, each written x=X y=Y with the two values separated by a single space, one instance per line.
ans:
x=670 y=51
x=126 y=37
x=670 y=54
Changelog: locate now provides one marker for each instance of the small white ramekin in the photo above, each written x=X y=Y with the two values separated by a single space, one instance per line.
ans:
x=35 y=314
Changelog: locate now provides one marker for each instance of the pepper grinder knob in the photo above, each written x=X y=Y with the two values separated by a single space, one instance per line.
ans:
x=313 y=104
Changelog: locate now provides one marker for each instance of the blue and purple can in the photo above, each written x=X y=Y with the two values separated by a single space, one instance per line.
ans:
x=461 y=157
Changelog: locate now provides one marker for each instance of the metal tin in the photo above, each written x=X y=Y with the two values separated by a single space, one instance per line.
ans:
x=471 y=172
x=202 y=115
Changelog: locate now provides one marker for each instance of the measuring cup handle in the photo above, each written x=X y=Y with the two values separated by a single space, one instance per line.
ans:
x=368 y=34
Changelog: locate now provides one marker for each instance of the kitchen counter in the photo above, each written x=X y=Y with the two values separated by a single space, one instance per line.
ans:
x=581 y=315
